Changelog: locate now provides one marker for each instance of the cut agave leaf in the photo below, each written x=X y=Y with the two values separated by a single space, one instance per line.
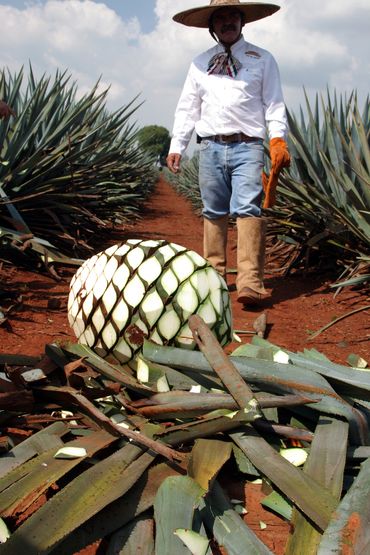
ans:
x=196 y=543
x=349 y=525
x=206 y=459
x=278 y=504
x=146 y=290
x=357 y=362
x=176 y=501
x=154 y=376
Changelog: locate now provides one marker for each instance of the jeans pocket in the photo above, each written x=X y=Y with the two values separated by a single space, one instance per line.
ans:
x=204 y=144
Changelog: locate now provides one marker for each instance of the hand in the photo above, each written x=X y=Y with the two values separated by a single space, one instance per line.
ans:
x=173 y=162
x=279 y=154
x=5 y=110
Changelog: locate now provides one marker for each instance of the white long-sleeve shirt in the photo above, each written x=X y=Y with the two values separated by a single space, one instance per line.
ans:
x=251 y=103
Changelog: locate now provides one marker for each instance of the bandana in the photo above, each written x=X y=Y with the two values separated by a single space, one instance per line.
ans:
x=224 y=63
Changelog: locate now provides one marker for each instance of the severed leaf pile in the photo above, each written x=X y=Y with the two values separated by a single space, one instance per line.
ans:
x=93 y=453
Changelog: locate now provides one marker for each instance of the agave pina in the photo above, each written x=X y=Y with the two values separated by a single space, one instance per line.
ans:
x=146 y=289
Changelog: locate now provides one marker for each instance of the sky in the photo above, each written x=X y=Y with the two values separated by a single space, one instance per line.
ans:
x=135 y=48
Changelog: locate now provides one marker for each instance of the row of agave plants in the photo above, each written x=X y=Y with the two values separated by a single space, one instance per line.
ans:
x=70 y=170
x=322 y=214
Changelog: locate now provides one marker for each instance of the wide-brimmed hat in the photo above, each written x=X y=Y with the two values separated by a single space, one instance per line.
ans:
x=199 y=17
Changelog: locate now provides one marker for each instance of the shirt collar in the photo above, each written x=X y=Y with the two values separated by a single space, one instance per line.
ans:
x=236 y=44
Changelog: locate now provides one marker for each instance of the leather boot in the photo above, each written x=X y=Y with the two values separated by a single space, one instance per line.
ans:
x=251 y=260
x=214 y=242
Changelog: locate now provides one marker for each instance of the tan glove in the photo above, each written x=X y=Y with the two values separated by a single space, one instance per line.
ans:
x=280 y=158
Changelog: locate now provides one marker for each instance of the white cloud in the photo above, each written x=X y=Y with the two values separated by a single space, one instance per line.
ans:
x=316 y=44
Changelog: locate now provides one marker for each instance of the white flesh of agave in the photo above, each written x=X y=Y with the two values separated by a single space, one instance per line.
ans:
x=98 y=319
x=88 y=304
x=120 y=314
x=134 y=292
x=121 y=277
x=167 y=252
x=294 y=455
x=200 y=283
x=169 y=324
x=145 y=289
x=195 y=542
x=153 y=306
x=169 y=282
x=123 y=249
x=183 y=267
x=110 y=251
x=207 y=312
x=185 y=337
x=4 y=531
x=89 y=336
x=196 y=258
x=187 y=299
x=110 y=268
x=91 y=280
x=150 y=270
x=155 y=337
x=100 y=286
x=78 y=326
x=122 y=351
x=70 y=453
x=110 y=297
x=109 y=336
x=216 y=300
x=135 y=258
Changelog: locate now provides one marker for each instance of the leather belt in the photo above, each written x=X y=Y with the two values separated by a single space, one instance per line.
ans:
x=234 y=138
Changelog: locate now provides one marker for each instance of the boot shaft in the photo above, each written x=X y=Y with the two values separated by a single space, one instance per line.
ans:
x=215 y=241
x=251 y=253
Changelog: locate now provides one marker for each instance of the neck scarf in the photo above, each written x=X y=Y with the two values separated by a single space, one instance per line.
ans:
x=224 y=63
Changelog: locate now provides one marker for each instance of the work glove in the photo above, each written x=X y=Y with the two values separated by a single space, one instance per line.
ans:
x=280 y=158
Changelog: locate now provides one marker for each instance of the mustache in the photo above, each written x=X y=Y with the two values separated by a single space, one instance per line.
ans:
x=229 y=27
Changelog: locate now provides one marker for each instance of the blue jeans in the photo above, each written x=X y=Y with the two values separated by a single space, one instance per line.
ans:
x=230 y=178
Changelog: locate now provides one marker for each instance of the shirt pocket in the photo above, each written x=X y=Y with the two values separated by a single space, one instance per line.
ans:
x=250 y=79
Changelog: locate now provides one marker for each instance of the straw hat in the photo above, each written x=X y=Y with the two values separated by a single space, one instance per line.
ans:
x=199 y=17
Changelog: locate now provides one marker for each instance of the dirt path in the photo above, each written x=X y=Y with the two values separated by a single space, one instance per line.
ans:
x=299 y=305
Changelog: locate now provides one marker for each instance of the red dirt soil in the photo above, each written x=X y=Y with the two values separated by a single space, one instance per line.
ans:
x=299 y=305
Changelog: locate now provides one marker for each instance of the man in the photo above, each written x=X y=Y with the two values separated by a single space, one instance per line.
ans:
x=232 y=97
x=5 y=110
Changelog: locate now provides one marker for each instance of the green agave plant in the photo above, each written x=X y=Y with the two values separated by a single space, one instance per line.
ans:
x=323 y=202
x=324 y=198
x=68 y=167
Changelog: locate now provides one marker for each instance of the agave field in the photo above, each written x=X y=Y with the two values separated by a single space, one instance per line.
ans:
x=70 y=171
x=139 y=403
